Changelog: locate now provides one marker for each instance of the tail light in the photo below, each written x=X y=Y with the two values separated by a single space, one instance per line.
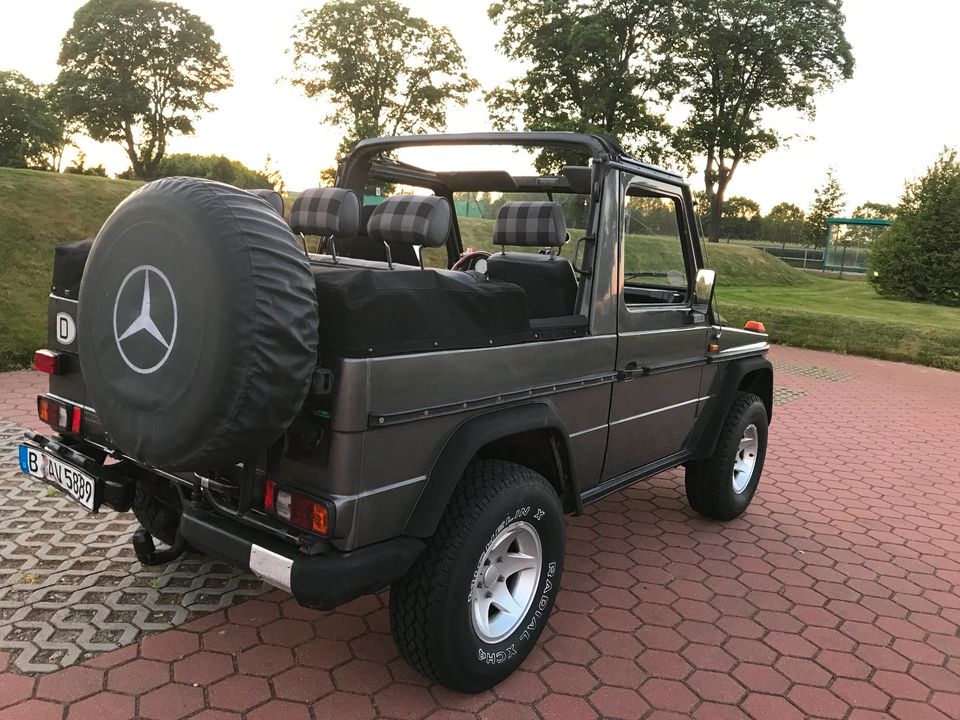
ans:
x=47 y=361
x=755 y=326
x=60 y=415
x=296 y=509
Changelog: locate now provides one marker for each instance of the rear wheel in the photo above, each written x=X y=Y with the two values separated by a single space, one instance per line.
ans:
x=474 y=604
x=722 y=485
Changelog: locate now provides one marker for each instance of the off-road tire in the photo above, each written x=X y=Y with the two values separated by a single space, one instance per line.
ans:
x=157 y=507
x=430 y=608
x=709 y=485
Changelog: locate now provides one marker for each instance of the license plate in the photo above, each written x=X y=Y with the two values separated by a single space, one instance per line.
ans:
x=76 y=483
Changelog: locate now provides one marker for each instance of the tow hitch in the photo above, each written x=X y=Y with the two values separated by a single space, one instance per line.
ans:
x=147 y=553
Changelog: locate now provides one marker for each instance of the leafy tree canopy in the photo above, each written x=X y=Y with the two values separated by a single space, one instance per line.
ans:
x=214 y=167
x=384 y=70
x=829 y=201
x=137 y=72
x=29 y=128
x=785 y=212
x=875 y=211
x=742 y=58
x=598 y=66
x=741 y=218
x=918 y=258
x=741 y=207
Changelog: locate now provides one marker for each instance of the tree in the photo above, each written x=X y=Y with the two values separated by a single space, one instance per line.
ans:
x=80 y=167
x=741 y=59
x=594 y=66
x=875 y=211
x=385 y=71
x=138 y=71
x=29 y=129
x=828 y=202
x=784 y=224
x=741 y=218
x=918 y=258
x=214 y=167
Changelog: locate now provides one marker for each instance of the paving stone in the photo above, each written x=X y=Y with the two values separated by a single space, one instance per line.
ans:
x=171 y=702
x=65 y=599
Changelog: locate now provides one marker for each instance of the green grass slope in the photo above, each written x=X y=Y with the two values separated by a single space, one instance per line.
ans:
x=38 y=211
x=735 y=264
x=848 y=317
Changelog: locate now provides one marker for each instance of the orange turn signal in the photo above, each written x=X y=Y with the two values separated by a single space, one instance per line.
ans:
x=754 y=326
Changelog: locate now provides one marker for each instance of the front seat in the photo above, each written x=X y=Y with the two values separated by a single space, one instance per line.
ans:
x=548 y=280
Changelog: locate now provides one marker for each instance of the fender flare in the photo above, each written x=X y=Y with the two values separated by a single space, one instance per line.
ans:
x=463 y=443
x=728 y=385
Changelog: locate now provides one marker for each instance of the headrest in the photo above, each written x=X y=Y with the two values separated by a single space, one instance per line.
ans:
x=326 y=211
x=533 y=223
x=271 y=197
x=411 y=219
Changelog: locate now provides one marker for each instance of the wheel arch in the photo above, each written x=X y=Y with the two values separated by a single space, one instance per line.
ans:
x=532 y=435
x=754 y=375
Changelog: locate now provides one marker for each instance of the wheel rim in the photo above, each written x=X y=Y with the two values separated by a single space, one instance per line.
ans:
x=505 y=582
x=745 y=460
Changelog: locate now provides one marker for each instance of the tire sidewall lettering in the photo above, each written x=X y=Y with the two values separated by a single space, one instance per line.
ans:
x=513 y=647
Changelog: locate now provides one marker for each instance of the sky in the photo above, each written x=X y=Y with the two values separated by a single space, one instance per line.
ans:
x=883 y=127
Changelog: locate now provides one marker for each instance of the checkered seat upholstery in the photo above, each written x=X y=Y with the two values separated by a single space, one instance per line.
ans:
x=363 y=247
x=327 y=212
x=423 y=220
x=548 y=280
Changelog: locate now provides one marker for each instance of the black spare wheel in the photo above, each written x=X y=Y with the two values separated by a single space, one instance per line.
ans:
x=197 y=324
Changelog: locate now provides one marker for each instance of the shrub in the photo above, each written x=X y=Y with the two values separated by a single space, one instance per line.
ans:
x=213 y=167
x=918 y=258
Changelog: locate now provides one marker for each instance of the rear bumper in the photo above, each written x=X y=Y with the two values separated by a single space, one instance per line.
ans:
x=317 y=581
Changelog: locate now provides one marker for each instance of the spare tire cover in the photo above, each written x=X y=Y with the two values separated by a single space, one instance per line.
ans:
x=197 y=325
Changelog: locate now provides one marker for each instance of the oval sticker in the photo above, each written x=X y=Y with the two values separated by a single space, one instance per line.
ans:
x=66 y=328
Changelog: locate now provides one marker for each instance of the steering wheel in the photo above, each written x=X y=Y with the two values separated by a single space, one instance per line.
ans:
x=472 y=261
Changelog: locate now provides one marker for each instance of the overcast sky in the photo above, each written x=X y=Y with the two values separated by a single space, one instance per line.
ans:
x=882 y=127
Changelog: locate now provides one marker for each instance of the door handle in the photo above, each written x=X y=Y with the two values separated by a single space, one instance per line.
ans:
x=629 y=372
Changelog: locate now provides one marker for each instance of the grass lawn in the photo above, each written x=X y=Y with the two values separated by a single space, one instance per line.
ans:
x=847 y=316
x=40 y=210
x=736 y=264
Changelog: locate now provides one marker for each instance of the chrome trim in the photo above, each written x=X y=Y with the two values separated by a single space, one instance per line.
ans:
x=660 y=410
x=589 y=430
x=61 y=297
x=752 y=347
x=386 y=488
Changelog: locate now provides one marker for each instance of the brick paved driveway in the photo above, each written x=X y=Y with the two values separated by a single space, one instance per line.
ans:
x=836 y=596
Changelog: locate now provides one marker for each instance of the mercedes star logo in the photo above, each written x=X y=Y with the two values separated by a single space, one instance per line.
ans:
x=144 y=323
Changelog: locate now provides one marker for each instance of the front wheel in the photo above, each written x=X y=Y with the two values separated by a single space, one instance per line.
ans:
x=474 y=604
x=722 y=485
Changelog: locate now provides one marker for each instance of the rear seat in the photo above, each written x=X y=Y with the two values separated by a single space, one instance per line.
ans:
x=271 y=197
x=369 y=309
x=362 y=247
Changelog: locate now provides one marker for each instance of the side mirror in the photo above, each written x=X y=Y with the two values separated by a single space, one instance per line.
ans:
x=703 y=290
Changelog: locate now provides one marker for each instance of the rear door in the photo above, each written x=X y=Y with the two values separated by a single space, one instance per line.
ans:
x=661 y=349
